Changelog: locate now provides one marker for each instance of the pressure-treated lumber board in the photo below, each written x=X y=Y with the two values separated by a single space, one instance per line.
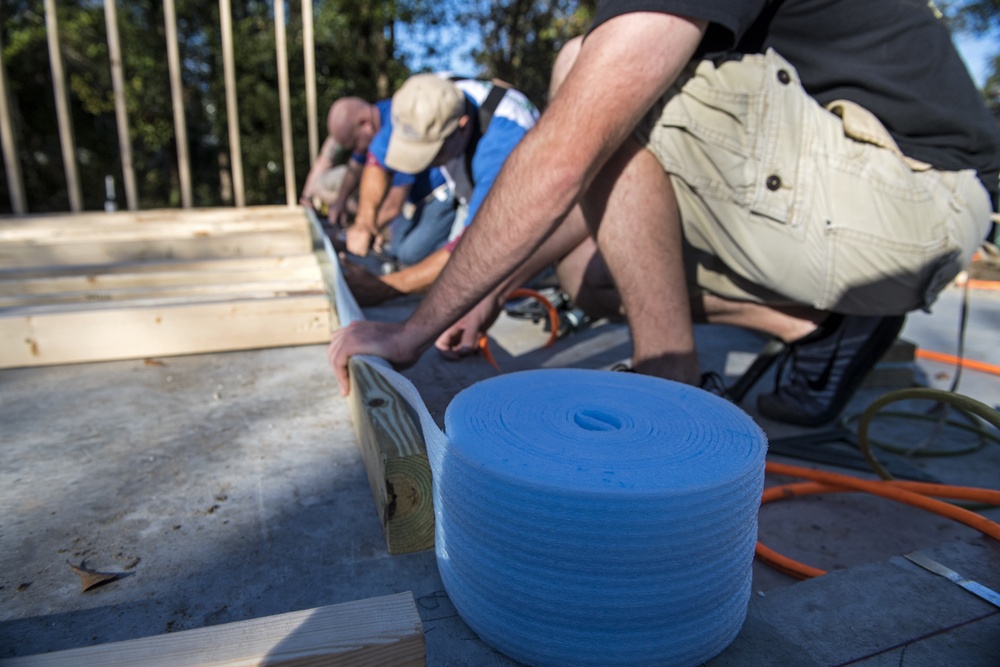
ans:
x=329 y=276
x=395 y=456
x=367 y=633
x=129 y=332
x=392 y=446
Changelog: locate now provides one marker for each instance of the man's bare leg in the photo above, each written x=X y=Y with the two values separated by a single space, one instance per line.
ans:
x=633 y=213
x=788 y=322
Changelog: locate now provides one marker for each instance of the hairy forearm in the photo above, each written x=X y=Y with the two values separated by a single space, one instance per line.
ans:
x=596 y=109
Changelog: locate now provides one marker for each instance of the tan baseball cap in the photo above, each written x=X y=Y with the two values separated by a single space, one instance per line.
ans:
x=425 y=112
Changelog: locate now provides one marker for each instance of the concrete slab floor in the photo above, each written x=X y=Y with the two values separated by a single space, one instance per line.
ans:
x=229 y=486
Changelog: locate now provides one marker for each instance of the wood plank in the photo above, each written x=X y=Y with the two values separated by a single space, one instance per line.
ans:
x=123 y=249
x=63 y=117
x=391 y=444
x=8 y=141
x=329 y=276
x=367 y=633
x=158 y=294
x=281 y=49
x=232 y=106
x=121 y=110
x=91 y=218
x=309 y=55
x=177 y=100
x=102 y=334
x=395 y=457
x=213 y=265
x=95 y=284
x=63 y=231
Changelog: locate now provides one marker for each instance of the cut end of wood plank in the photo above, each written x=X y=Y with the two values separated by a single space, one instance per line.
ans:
x=395 y=457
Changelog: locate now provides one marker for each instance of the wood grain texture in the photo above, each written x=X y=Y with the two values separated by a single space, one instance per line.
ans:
x=108 y=286
x=107 y=238
x=395 y=456
x=366 y=633
x=137 y=331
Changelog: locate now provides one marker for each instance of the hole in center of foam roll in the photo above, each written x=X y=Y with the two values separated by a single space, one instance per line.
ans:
x=597 y=420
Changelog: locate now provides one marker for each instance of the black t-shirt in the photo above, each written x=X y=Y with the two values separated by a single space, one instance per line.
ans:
x=893 y=57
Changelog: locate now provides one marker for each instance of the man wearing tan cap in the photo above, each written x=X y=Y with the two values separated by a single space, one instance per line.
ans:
x=419 y=208
x=467 y=128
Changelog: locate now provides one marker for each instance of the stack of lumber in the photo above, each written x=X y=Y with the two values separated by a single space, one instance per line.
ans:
x=103 y=286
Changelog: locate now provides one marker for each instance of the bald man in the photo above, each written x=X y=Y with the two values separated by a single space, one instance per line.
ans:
x=350 y=124
x=424 y=196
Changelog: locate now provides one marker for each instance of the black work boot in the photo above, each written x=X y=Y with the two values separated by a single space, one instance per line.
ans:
x=820 y=372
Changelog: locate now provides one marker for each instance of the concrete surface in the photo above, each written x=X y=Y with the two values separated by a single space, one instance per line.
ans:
x=228 y=486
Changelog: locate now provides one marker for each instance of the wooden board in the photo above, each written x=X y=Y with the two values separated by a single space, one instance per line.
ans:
x=370 y=633
x=154 y=271
x=131 y=332
x=107 y=286
x=123 y=237
x=391 y=444
x=395 y=456
x=154 y=216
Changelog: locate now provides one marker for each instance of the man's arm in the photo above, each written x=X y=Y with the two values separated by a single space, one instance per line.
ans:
x=338 y=206
x=392 y=205
x=597 y=108
x=375 y=183
x=462 y=337
x=324 y=161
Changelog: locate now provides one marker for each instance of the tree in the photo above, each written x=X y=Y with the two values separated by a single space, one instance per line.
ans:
x=978 y=17
x=356 y=51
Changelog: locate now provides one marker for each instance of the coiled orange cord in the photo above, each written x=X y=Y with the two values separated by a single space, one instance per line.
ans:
x=520 y=293
x=915 y=494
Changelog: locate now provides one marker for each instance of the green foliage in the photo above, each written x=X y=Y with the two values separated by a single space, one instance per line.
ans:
x=521 y=38
x=356 y=53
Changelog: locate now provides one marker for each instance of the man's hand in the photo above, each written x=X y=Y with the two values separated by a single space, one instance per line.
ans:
x=380 y=339
x=462 y=338
x=359 y=239
x=337 y=213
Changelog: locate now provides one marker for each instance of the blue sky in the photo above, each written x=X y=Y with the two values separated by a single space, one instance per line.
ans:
x=977 y=53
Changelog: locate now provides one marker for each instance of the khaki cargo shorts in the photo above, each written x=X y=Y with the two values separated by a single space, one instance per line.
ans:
x=784 y=201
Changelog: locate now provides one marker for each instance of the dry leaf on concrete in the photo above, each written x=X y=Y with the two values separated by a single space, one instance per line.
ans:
x=91 y=578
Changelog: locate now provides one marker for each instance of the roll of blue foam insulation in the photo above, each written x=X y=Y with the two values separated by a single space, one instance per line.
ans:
x=597 y=518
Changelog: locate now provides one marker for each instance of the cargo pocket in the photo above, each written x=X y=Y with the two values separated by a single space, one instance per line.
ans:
x=783 y=136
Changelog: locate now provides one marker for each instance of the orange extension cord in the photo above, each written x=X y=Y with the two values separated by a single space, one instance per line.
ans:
x=520 y=293
x=916 y=494
x=971 y=364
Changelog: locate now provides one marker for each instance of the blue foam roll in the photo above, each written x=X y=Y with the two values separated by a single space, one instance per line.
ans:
x=597 y=518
